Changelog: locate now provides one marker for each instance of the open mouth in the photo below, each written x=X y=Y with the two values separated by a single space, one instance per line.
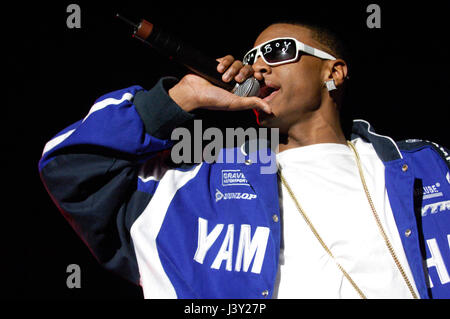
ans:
x=268 y=91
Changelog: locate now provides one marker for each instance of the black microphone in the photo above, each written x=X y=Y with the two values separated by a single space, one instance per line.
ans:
x=190 y=57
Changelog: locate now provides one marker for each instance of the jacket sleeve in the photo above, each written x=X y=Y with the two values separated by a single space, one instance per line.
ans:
x=90 y=169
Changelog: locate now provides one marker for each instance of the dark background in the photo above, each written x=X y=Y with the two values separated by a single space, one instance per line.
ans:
x=399 y=83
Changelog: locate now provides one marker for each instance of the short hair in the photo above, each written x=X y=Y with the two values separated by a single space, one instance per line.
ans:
x=331 y=41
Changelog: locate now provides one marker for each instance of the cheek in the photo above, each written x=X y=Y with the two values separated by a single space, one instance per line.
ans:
x=302 y=90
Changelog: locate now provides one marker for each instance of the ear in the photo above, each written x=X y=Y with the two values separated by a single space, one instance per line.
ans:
x=336 y=70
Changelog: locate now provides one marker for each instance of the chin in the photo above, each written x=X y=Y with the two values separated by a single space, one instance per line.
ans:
x=272 y=121
x=269 y=121
x=263 y=119
x=266 y=122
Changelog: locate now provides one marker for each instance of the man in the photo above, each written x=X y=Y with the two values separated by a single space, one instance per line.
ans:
x=337 y=220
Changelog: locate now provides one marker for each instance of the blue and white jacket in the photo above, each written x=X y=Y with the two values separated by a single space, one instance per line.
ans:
x=175 y=231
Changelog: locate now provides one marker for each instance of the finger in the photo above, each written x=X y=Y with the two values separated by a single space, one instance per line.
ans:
x=246 y=103
x=224 y=63
x=232 y=71
x=244 y=73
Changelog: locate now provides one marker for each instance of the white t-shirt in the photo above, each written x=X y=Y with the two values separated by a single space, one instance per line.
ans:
x=327 y=185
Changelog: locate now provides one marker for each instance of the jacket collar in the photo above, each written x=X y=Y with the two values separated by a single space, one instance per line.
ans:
x=385 y=147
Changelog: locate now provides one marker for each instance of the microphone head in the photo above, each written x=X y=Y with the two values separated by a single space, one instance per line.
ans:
x=249 y=87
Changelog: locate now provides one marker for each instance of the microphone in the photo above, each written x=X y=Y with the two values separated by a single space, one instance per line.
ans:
x=190 y=57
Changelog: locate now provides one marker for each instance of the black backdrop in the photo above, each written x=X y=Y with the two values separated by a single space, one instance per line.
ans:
x=400 y=83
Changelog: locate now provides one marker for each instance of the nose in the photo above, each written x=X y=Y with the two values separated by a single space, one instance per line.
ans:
x=261 y=68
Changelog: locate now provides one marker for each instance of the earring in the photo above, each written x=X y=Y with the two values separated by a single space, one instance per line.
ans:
x=330 y=85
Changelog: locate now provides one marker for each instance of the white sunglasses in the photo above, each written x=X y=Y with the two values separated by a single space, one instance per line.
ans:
x=282 y=50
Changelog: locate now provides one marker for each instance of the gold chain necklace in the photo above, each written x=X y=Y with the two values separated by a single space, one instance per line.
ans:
x=377 y=219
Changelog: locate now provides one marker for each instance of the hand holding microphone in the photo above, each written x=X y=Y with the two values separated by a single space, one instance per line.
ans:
x=194 y=92
x=228 y=85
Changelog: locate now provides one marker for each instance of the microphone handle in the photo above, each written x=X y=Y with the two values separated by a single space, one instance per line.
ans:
x=181 y=52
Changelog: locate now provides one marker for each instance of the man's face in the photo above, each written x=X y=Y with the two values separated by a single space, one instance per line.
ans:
x=293 y=90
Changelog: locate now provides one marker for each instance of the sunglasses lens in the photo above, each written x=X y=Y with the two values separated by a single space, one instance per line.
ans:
x=249 y=58
x=279 y=50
